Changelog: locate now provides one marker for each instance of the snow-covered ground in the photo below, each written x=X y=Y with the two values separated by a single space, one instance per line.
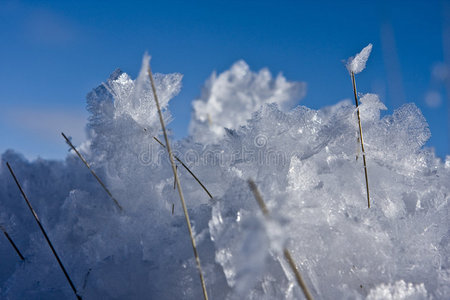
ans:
x=243 y=127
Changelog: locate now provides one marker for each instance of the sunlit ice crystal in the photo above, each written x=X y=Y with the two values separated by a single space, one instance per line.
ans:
x=304 y=163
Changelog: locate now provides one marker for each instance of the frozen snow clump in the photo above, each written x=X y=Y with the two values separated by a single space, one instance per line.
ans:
x=229 y=99
x=358 y=63
x=301 y=159
x=398 y=291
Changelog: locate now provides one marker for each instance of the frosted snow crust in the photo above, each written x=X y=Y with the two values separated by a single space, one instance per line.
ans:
x=229 y=99
x=398 y=291
x=302 y=160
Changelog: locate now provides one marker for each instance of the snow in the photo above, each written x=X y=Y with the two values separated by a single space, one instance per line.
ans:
x=229 y=99
x=358 y=63
x=303 y=162
x=398 y=291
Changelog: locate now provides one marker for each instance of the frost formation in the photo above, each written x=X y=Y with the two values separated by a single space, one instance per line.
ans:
x=302 y=160
x=358 y=63
x=229 y=99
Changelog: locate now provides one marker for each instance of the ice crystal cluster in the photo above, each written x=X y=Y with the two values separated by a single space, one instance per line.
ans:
x=358 y=63
x=229 y=99
x=304 y=164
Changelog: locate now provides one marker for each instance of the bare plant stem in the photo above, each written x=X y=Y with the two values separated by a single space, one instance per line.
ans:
x=298 y=277
x=286 y=252
x=258 y=197
x=92 y=171
x=12 y=243
x=361 y=137
x=187 y=168
x=180 y=191
x=209 y=120
x=174 y=181
x=44 y=233
x=174 y=187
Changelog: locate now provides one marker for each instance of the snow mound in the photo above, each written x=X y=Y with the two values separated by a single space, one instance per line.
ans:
x=229 y=99
x=398 y=291
x=303 y=162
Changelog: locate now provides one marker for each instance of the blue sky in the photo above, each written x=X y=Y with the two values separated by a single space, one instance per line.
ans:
x=54 y=52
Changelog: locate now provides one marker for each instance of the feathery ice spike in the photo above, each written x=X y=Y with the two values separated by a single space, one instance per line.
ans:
x=92 y=171
x=44 y=233
x=12 y=243
x=186 y=167
x=180 y=191
x=361 y=138
x=287 y=253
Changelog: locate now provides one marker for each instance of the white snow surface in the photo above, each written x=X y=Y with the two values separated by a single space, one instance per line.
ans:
x=229 y=99
x=303 y=162
x=358 y=63
x=398 y=291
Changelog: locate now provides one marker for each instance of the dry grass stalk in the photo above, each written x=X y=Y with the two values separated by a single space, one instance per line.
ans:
x=43 y=232
x=92 y=171
x=258 y=197
x=286 y=252
x=361 y=137
x=180 y=191
x=174 y=181
x=209 y=120
x=186 y=167
x=12 y=243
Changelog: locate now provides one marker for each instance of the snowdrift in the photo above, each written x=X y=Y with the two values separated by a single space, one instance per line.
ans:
x=304 y=164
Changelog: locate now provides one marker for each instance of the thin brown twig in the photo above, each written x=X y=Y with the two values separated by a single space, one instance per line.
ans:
x=92 y=171
x=299 y=278
x=174 y=181
x=174 y=187
x=286 y=252
x=361 y=137
x=258 y=197
x=44 y=233
x=187 y=168
x=12 y=243
x=180 y=191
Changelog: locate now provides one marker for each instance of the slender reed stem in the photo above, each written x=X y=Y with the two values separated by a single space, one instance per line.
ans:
x=174 y=187
x=180 y=191
x=174 y=181
x=92 y=171
x=258 y=197
x=12 y=243
x=44 y=233
x=286 y=252
x=361 y=137
x=187 y=168
x=293 y=265
x=209 y=120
